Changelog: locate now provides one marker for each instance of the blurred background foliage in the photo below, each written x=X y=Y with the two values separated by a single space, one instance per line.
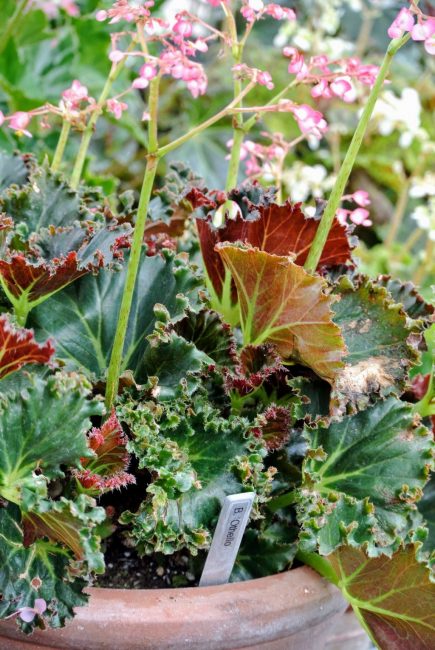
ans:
x=41 y=56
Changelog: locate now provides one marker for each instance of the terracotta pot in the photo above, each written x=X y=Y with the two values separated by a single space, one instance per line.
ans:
x=296 y=610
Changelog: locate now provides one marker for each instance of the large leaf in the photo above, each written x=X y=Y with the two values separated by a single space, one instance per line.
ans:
x=362 y=478
x=18 y=348
x=82 y=318
x=281 y=303
x=394 y=598
x=42 y=428
x=13 y=170
x=39 y=571
x=46 y=200
x=427 y=508
x=196 y=457
x=277 y=229
x=57 y=259
x=381 y=345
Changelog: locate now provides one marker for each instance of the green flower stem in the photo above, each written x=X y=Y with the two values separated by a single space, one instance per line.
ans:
x=349 y=160
x=136 y=248
x=61 y=144
x=238 y=131
x=249 y=124
x=12 y=24
x=90 y=127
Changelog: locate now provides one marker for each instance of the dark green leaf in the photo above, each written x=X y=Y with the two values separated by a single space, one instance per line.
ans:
x=362 y=478
x=82 y=318
x=42 y=428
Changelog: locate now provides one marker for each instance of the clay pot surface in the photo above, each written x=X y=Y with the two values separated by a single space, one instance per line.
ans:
x=296 y=610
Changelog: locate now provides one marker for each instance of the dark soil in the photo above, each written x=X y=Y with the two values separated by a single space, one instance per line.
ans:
x=126 y=570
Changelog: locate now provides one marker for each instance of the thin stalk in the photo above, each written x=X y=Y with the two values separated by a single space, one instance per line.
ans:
x=12 y=23
x=89 y=130
x=412 y=240
x=398 y=215
x=349 y=160
x=162 y=151
x=238 y=132
x=136 y=248
x=422 y=269
x=61 y=144
x=275 y=99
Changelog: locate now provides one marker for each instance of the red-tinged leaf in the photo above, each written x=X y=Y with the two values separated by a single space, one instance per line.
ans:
x=18 y=348
x=107 y=470
x=393 y=596
x=256 y=364
x=278 y=229
x=22 y=278
x=281 y=303
x=273 y=426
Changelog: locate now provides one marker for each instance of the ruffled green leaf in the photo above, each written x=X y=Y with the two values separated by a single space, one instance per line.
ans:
x=362 y=479
x=42 y=428
x=381 y=345
x=196 y=457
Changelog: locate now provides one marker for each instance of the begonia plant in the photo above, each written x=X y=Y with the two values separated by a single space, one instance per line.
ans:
x=199 y=342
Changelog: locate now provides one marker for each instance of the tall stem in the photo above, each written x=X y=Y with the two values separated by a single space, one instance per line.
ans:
x=89 y=130
x=349 y=160
x=12 y=23
x=238 y=133
x=136 y=248
x=61 y=144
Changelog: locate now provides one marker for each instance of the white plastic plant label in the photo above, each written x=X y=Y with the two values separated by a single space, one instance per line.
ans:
x=227 y=537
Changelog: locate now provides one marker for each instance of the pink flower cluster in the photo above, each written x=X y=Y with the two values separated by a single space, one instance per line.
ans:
x=310 y=121
x=330 y=78
x=253 y=10
x=74 y=96
x=51 y=7
x=18 y=122
x=122 y=10
x=421 y=27
x=259 y=158
x=359 y=216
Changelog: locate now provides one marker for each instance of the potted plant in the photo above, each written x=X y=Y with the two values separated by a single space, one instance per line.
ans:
x=197 y=344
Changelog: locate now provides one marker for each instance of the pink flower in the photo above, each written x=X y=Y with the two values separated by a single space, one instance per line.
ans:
x=74 y=95
x=116 y=56
x=422 y=31
x=404 y=22
x=101 y=16
x=321 y=90
x=429 y=44
x=27 y=614
x=2 y=118
x=116 y=107
x=361 y=198
x=342 y=87
x=183 y=28
x=19 y=122
x=200 y=45
x=280 y=13
x=148 y=71
x=122 y=10
x=310 y=121
x=265 y=79
x=360 y=217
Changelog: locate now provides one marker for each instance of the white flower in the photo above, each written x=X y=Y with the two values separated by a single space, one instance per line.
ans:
x=424 y=215
x=303 y=181
x=400 y=113
x=424 y=186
